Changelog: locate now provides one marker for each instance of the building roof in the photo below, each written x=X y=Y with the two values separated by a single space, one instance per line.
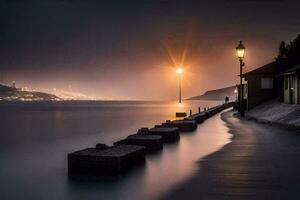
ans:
x=270 y=68
x=273 y=68
x=291 y=70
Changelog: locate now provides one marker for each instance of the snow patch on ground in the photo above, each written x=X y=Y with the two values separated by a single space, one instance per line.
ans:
x=277 y=112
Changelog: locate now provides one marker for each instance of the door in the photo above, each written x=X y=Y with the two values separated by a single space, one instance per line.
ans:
x=291 y=88
x=286 y=95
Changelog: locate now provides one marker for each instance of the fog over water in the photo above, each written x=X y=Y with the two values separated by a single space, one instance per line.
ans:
x=35 y=141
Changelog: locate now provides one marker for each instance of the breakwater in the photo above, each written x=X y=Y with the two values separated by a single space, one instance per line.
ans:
x=131 y=151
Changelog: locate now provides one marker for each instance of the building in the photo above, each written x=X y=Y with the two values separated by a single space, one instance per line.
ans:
x=273 y=80
x=291 y=85
x=263 y=84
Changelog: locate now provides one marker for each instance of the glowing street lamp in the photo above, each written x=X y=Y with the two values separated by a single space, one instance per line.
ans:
x=179 y=71
x=240 y=50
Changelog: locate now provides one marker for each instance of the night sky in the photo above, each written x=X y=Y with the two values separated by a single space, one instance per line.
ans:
x=128 y=49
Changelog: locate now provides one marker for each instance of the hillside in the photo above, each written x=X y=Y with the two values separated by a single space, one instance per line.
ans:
x=16 y=94
x=217 y=95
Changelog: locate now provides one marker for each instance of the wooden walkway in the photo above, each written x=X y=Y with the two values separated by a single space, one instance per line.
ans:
x=261 y=162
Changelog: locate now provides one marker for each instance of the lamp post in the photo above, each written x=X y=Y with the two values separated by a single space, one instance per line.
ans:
x=240 y=49
x=179 y=71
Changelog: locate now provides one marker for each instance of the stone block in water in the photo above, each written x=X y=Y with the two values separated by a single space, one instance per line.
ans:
x=150 y=142
x=182 y=125
x=111 y=161
x=101 y=146
x=180 y=114
x=143 y=131
x=168 y=134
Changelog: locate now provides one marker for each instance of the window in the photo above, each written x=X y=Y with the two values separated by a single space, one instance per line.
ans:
x=267 y=83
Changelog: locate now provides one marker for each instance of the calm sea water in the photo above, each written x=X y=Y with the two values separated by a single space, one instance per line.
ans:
x=36 y=138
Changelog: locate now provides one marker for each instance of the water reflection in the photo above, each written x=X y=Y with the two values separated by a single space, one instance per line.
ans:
x=165 y=170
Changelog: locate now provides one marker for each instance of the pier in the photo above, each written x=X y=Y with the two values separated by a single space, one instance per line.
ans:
x=131 y=151
x=260 y=162
x=199 y=117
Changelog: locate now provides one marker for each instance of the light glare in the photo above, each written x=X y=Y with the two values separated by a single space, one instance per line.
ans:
x=179 y=70
x=240 y=53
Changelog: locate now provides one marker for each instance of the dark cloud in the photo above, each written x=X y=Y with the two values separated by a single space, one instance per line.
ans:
x=86 y=42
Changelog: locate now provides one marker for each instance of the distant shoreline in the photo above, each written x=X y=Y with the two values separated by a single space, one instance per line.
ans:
x=99 y=101
x=216 y=94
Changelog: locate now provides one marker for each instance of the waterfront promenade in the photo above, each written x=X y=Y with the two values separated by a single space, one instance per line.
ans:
x=261 y=162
